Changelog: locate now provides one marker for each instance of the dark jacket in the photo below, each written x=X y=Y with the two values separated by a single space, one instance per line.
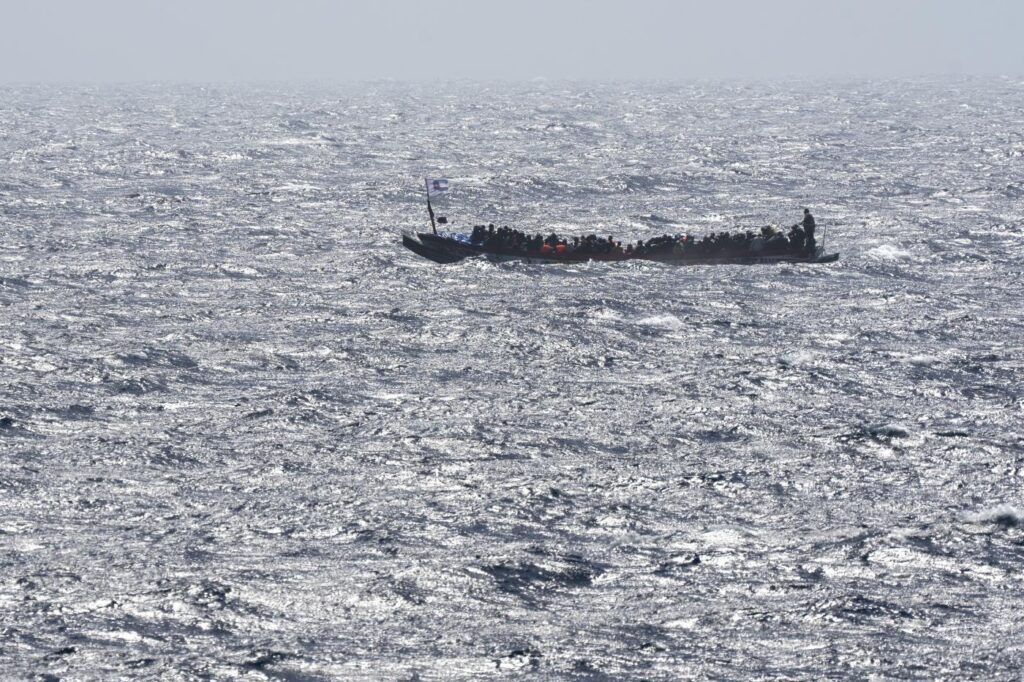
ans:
x=809 y=223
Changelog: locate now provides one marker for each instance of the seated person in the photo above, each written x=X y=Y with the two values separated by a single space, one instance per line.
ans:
x=796 y=239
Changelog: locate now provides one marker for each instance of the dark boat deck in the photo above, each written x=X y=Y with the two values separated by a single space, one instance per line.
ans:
x=453 y=247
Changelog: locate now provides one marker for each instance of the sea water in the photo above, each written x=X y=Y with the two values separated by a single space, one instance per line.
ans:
x=245 y=434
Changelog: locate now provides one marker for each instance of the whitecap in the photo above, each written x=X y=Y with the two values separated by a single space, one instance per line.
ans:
x=924 y=360
x=664 y=321
x=724 y=537
x=888 y=430
x=798 y=358
x=888 y=252
x=1001 y=515
x=605 y=314
x=235 y=270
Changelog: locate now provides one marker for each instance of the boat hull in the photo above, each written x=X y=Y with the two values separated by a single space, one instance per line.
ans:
x=444 y=248
x=430 y=251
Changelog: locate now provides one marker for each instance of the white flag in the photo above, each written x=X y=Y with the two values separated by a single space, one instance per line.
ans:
x=436 y=186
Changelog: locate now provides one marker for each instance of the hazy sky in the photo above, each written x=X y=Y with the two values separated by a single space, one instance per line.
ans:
x=344 y=40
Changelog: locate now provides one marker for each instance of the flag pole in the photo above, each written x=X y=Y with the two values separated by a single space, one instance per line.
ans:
x=430 y=209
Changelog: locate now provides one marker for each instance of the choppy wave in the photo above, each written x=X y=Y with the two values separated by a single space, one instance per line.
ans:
x=245 y=434
x=1001 y=514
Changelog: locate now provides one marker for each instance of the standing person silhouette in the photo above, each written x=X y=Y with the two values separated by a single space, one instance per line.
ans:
x=809 y=225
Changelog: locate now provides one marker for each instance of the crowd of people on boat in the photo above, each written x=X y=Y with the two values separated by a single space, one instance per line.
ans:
x=770 y=240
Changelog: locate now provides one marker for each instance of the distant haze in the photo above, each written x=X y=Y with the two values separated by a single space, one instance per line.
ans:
x=261 y=40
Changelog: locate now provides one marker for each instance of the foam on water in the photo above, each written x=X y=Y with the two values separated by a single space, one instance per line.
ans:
x=889 y=252
x=1000 y=514
x=666 y=321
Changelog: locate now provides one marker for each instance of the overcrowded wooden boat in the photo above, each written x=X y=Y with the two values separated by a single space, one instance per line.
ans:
x=451 y=247
x=769 y=245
